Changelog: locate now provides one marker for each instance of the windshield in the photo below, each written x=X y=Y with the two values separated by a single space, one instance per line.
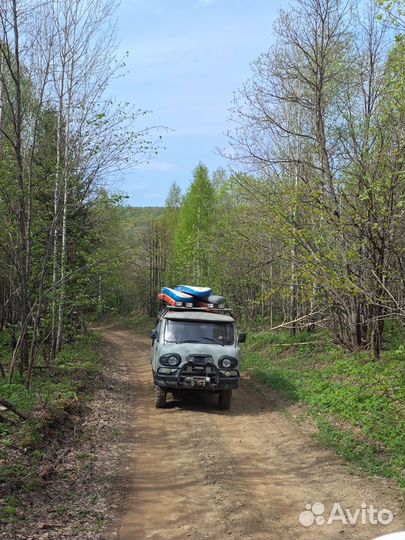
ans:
x=199 y=332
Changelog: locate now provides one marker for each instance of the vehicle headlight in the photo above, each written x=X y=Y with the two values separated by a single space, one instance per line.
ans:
x=172 y=360
x=226 y=362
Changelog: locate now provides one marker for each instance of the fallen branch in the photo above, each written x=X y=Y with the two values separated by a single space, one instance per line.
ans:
x=45 y=472
x=13 y=409
x=287 y=324
x=298 y=343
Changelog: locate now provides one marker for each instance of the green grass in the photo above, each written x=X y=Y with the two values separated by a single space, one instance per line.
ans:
x=9 y=509
x=54 y=395
x=55 y=387
x=356 y=402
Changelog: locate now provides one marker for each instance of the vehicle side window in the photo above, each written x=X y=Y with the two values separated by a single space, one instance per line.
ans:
x=170 y=334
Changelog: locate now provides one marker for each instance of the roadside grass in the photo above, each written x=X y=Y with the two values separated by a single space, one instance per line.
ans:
x=357 y=403
x=57 y=393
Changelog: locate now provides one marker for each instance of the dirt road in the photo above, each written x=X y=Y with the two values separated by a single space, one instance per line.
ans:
x=196 y=472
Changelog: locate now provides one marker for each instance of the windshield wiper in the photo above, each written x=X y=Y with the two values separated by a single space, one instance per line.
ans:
x=195 y=340
x=212 y=339
x=183 y=341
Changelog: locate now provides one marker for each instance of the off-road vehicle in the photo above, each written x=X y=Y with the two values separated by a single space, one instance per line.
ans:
x=196 y=350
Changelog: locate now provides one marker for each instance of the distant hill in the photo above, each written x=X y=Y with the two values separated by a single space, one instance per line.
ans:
x=142 y=214
x=137 y=219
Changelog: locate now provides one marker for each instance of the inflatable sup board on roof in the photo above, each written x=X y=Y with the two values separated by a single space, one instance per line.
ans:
x=176 y=295
x=166 y=299
x=198 y=292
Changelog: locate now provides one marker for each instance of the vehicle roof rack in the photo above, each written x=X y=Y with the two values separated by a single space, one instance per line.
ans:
x=223 y=311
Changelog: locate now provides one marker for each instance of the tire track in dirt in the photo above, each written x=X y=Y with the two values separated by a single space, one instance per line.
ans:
x=197 y=472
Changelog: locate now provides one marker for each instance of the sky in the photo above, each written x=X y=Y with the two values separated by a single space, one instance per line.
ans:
x=186 y=58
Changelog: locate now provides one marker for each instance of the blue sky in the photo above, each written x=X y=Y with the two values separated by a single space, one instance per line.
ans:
x=186 y=58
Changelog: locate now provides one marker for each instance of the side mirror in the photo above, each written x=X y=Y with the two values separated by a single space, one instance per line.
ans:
x=242 y=337
x=153 y=335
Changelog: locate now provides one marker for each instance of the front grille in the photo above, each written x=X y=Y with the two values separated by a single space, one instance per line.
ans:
x=190 y=369
x=200 y=359
x=199 y=367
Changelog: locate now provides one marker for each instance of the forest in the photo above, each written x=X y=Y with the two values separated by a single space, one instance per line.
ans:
x=303 y=230
x=307 y=228
x=60 y=138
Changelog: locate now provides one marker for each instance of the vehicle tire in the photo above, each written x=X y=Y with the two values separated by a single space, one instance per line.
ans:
x=160 y=397
x=224 y=399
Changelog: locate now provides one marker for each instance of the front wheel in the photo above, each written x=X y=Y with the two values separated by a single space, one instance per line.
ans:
x=160 y=398
x=224 y=399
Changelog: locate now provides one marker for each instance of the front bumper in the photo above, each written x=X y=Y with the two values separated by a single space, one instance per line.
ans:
x=197 y=377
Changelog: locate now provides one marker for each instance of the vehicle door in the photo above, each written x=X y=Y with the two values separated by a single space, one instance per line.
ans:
x=155 y=343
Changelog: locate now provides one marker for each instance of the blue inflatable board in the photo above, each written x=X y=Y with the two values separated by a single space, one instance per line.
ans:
x=199 y=292
x=177 y=295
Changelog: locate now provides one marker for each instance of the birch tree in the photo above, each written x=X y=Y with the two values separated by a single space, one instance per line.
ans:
x=315 y=110
x=60 y=136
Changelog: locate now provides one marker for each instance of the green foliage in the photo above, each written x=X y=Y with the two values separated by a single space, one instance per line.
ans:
x=55 y=389
x=63 y=254
x=170 y=223
x=136 y=219
x=8 y=508
x=27 y=446
x=116 y=245
x=356 y=402
x=324 y=217
x=194 y=229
